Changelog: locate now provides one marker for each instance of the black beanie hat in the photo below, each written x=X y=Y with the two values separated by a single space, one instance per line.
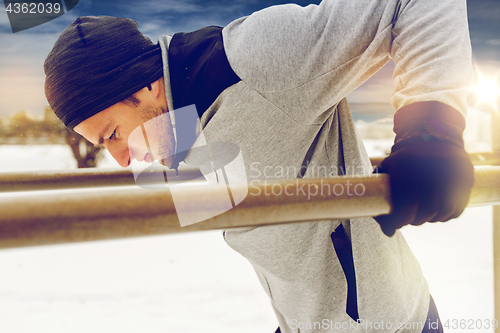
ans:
x=96 y=63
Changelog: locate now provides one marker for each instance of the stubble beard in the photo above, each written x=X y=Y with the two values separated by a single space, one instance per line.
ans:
x=162 y=130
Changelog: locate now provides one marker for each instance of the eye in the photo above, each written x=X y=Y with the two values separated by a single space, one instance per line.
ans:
x=113 y=136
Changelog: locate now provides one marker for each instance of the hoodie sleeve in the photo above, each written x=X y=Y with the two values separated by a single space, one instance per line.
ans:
x=432 y=51
x=306 y=59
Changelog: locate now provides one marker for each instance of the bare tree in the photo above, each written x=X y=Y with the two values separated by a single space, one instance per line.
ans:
x=22 y=128
x=86 y=154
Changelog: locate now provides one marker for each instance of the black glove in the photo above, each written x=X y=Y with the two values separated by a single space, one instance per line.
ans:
x=431 y=174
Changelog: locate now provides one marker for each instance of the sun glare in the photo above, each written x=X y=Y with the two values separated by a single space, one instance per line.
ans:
x=487 y=90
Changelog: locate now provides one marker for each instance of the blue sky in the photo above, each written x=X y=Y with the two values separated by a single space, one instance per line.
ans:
x=22 y=54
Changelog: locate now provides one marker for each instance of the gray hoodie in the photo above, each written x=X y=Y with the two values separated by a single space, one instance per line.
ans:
x=295 y=66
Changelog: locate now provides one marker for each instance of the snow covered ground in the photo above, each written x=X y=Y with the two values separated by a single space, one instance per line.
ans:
x=195 y=282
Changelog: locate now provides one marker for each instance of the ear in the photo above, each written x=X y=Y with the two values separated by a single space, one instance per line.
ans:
x=153 y=93
x=156 y=89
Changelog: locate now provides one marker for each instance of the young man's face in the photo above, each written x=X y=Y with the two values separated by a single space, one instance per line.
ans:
x=120 y=129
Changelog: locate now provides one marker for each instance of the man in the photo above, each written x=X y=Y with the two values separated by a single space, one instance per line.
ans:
x=275 y=83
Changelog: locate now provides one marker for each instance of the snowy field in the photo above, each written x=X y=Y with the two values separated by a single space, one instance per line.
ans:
x=195 y=282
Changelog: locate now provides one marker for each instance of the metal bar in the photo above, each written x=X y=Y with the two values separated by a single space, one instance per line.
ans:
x=477 y=159
x=495 y=145
x=74 y=217
x=82 y=178
x=92 y=177
x=496 y=260
x=485 y=158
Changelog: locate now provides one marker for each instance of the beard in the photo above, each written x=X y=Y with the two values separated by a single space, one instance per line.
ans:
x=158 y=131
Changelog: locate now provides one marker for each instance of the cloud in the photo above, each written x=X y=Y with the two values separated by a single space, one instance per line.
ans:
x=482 y=10
x=378 y=89
x=484 y=26
x=21 y=64
x=21 y=71
x=372 y=108
x=22 y=92
x=4 y=22
x=234 y=8
x=488 y=68
x=162 y=7
x=494 y=42
x=169 y=17
x=22 y=54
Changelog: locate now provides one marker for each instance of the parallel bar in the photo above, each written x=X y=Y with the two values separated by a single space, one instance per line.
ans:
x=477 y=159
x=74 y=217
x=496 y=260
x=485 y=158
x=92 y=177
x=495 y=145
x=82 y=178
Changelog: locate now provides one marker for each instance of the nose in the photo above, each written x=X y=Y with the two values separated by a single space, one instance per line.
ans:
x=121 y=155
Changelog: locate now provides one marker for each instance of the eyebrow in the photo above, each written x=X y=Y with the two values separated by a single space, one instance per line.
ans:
x=101 y=136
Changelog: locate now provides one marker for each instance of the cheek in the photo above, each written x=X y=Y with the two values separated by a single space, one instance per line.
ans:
x=136 y=140
x=147 y=140
x=159 y=135
x=155 y=136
